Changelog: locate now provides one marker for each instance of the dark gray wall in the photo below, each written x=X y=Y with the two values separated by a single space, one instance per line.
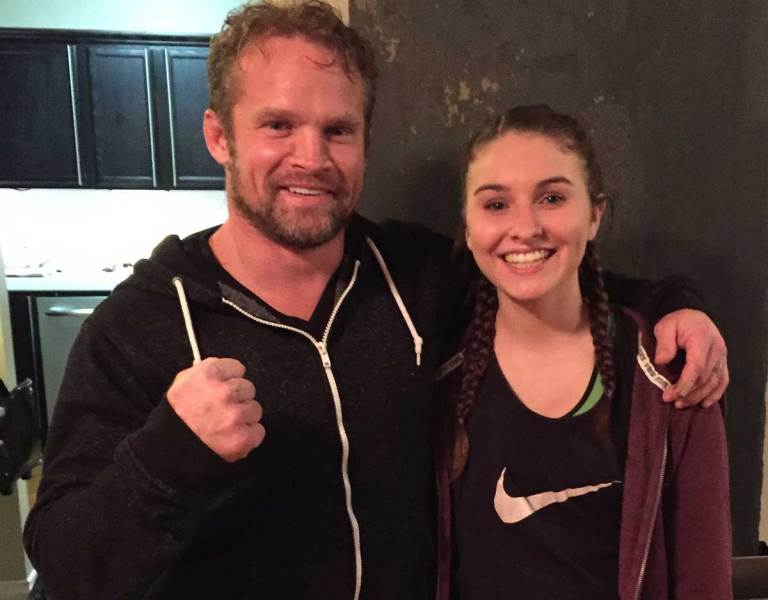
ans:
x=677 y=96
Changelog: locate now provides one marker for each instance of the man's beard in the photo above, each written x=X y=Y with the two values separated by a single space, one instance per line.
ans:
x=299 y=228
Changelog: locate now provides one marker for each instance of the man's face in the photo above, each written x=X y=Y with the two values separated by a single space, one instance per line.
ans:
x=295 y=153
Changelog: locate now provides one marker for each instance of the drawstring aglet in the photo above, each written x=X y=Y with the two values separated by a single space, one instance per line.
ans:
x=418 y=342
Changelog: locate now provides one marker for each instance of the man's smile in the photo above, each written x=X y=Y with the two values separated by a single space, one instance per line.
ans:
x=302 y=191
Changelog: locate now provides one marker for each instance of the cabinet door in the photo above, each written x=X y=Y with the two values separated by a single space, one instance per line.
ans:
x=122 y=117
x=38 y=118
x=187 y=97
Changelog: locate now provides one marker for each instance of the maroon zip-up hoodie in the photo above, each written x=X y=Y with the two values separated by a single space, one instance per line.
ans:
x=675 y=539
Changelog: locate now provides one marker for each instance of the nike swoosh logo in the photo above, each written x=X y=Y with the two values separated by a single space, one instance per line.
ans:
x=513 y=509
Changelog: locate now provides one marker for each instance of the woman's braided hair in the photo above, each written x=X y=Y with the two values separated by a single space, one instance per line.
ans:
x=564 y=129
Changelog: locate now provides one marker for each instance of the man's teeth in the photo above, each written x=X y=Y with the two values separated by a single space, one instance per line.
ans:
x=522 y=258
x=306 y=191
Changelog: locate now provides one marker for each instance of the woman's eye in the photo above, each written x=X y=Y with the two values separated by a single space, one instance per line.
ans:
x=494 y=205
x=552 y=199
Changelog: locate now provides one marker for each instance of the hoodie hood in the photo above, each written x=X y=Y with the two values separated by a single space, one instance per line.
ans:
x=174 y=257
x=177 y=268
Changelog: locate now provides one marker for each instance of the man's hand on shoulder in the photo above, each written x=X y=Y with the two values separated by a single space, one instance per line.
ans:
x=219 y=406
x=705 y=374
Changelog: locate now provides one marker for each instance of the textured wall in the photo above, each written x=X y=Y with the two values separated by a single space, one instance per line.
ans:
x=675 y=93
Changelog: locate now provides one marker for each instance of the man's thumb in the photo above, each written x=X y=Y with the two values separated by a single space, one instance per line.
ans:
x=665 y=350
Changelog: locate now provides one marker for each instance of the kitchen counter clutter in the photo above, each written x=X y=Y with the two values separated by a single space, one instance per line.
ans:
x=71 y=281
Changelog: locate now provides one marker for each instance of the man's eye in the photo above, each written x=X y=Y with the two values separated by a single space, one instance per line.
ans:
x=337 y=130
x=278 y=125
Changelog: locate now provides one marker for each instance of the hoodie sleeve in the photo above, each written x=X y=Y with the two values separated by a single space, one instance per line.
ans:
x=697 y=517
x=653 y=300
x=124 y=480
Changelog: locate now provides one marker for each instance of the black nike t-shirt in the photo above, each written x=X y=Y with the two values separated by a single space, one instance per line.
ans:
x=538 y=507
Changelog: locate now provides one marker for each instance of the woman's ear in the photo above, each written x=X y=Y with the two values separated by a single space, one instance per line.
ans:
x=463 y=231
x=596 y=217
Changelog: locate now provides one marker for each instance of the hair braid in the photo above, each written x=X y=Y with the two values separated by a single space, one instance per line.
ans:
x=593 y=290
x=476 y=356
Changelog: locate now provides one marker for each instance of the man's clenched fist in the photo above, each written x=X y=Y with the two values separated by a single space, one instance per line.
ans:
x=215 y=402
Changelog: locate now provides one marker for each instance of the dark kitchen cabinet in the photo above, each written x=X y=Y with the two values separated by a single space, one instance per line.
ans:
x=191 y=164
x=134 y=120
x=38 y=115
x=121 y=123
x=145 y=107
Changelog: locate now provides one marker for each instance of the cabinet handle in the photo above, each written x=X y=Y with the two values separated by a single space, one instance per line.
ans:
x=71 y=64
x=170 y=115
x=65 y=311
x=151 y=118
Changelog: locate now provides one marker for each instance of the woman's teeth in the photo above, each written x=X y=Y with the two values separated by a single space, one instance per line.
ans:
x=526 y=258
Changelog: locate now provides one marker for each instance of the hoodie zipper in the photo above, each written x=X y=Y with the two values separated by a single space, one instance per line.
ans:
x=322 y=349
x=646 y=551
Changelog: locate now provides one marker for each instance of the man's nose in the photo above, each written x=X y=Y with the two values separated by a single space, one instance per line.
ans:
x=310 y=150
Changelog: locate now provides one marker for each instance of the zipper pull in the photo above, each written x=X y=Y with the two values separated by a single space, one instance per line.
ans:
x=324 y=355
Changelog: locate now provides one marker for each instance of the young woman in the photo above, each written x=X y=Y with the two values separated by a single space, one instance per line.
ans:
x=563 y=475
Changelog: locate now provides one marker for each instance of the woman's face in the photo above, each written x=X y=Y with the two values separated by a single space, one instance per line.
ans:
x=529 y=215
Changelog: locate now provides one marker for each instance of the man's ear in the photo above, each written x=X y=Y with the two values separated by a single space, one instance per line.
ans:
x=215 y=137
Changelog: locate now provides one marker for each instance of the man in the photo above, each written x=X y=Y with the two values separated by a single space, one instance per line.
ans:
x=159 y=479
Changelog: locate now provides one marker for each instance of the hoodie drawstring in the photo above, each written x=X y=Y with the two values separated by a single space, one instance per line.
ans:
x=649 y=370
x=418 y=341
x=187 y=319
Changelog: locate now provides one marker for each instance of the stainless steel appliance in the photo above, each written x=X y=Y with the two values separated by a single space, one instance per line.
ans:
x=45 y=325
x=59 y=320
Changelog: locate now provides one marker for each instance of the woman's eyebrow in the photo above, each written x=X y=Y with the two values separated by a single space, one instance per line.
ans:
x=497 y=187
x=492 y=187
x=555 y=179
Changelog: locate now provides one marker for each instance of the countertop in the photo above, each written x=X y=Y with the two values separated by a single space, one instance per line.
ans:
x=86 y=281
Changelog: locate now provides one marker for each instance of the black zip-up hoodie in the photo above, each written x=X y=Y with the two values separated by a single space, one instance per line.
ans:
x=133 y=505
x=337 y=502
